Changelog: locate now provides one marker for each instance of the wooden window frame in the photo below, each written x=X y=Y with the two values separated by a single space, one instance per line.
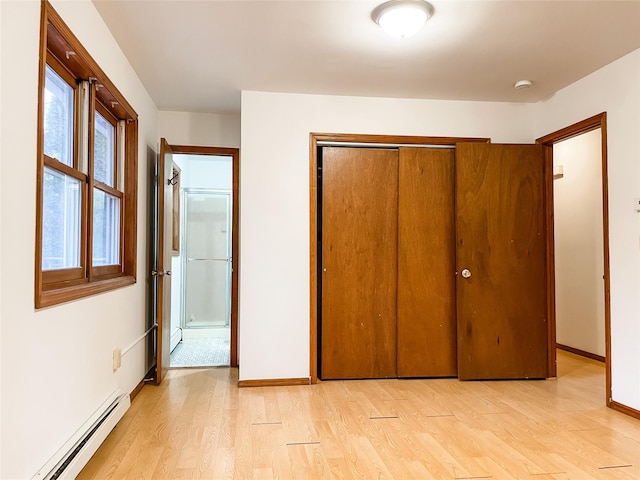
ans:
x=62 y=51
x=105 y=271
x=109 y=117
x=68 y=276
x=64 y=73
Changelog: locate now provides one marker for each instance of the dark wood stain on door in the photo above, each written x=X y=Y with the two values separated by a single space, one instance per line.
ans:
x=500 y=229
x=359 y=262
x=426 y=264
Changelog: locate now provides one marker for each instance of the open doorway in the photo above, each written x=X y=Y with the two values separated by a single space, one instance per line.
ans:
x=203 y=303
x=578 y=241
x=579 y=251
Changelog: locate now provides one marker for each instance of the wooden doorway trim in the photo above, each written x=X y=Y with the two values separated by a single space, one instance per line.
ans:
x=234 y=153
x=548 y=141
x=375 y=140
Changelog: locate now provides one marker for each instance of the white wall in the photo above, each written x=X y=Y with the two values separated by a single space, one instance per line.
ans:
x=201 y=129
x=616 y=90
x=274 y=202
x=57 y=362
x=579 y=257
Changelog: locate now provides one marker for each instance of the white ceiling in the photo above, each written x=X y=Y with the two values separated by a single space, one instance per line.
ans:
x=198 y=55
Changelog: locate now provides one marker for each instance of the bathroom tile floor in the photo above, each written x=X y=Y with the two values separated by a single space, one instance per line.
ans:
x=201 y=352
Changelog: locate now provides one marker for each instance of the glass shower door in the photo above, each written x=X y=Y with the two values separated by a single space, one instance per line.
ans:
x=207 y=267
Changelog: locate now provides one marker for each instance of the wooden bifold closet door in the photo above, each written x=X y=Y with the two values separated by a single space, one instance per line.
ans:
x=433 y=262
x=359 y=266
x=388 y=263
x=426 y=264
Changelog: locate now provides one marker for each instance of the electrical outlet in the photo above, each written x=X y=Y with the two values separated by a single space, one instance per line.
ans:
x=117 y=359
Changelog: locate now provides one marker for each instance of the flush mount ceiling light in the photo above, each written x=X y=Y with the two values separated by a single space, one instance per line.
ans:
x=402 y=18
x=522 y=84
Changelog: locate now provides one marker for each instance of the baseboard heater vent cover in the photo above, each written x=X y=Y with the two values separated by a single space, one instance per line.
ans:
x=76 y=453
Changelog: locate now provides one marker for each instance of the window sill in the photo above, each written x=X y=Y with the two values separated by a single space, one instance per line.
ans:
x=62 y=295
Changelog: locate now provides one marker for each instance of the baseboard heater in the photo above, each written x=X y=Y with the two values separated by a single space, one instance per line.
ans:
x=76 y=453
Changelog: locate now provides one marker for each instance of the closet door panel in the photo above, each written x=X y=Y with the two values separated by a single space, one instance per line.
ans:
x=426 y=264
x=359 y=263
x=501 y=297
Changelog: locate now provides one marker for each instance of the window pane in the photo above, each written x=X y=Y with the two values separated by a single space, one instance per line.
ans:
x=106 y=229
x=58 y=118
x=62 y=206
x=104 y=157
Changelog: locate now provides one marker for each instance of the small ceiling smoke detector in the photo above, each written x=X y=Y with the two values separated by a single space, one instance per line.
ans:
x=522 y=84
x=402 y=18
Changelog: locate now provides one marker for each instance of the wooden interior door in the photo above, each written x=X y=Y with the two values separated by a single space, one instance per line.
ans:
x=500 y=243
x=359 y=262
x=163 y=266
x=426 y=264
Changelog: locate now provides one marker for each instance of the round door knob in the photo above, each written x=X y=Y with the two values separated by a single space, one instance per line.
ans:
x=466 y=273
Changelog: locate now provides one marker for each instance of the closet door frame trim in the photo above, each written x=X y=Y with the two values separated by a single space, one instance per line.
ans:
x=346 y=139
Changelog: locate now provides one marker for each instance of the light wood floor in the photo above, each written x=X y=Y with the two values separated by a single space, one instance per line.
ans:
x=198 y=424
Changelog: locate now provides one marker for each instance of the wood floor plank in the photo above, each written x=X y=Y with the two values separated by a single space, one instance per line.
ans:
x=199 y=425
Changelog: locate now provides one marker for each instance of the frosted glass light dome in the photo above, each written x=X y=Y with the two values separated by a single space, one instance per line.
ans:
x=402 y=18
